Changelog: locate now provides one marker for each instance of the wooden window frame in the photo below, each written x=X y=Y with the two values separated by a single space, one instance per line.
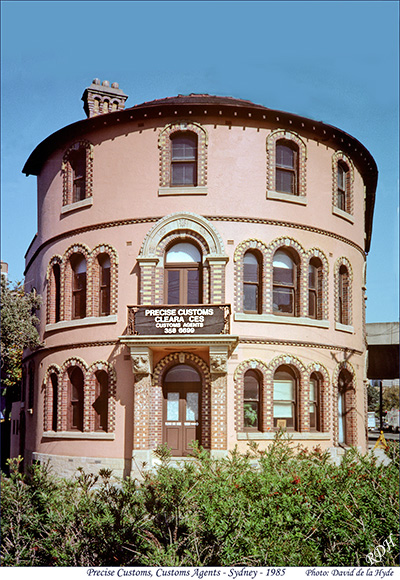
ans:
x=293 y=171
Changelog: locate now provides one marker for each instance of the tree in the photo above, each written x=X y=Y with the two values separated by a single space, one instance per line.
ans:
x=390 y=398
x=373 y=398
x=18 y=331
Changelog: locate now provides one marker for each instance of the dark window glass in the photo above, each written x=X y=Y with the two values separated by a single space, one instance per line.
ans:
x=342 y=176
x=343 y=295
x=183 y=274
x=314 y=403
x=251 y=400
x=312 y=291
x=77 y=161
x=173 y=286
x=76 y=399
x=78 y=264
x=193 y=286
x=286 y=168
x=101 y=403
x=57 y=290
x=284 y=283
x=251 y=283
x=184 y=159
x=54 y=386
x=105 y=278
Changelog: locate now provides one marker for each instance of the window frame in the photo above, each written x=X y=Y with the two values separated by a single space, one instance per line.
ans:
x=294 y=286
x=283 y=374
x=258 y=401
x=293 y=170
x=183 y=268
x=257 y=284
x=75 y=402
x=185 y=160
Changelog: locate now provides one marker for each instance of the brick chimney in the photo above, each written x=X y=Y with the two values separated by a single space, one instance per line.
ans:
x=100 y=98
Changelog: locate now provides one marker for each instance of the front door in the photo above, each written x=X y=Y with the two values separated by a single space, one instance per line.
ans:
x=181 y=414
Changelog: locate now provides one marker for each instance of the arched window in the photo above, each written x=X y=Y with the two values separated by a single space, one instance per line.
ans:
x=104 y=280
x=100 y=404
x=315 y=288
x=285 y=284
x=285 y=399
x=252 y=283
x=54 y=389
x=78 y=265
x=183 y=283
x=286 y=171
x=343 y=295
x=315 y=415
x=252 y=401
x=343 y=176
x=75 y=399
x=183 y=159
x=77 y=161
x=344 y=386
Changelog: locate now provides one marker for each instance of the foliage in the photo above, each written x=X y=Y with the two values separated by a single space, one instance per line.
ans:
x=390 y=398
x=373 y=398
x=282 y=507
x=18 y=330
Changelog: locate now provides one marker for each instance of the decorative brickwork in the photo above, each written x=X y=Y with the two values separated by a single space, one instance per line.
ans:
x=282 y=135
x=164 y=144
x=182 y=226
x=67 y=171
x=92 y=281
x=338 y=157
x=53 y=301
x=344 y=381
x=343 y=284
x=266 y=405
x=88 y=394
x=208 y=437
x=324 y=394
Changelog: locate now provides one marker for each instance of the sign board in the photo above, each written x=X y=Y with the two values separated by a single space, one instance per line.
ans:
x=179 y=320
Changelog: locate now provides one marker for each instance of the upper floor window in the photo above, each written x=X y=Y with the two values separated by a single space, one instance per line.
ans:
x=343 y=295
x=286 y=173
x=342 y=186
x=315 y=288
x=100 y=404
x=104 y=281
x=78 y=265
x=314 y=403
x=252 y=401
x=183 y=159
x=251 y=282
x=183 y=279
x=77 y=172
x=285 y=284
x=54 y=409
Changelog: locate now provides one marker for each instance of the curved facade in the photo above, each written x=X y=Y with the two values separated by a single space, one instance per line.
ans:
x=202 y=263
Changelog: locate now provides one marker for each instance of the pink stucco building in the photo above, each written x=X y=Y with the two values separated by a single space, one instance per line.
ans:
x=202 y=263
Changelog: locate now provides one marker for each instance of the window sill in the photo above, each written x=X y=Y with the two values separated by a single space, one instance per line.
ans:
x=190 y=190
x=342 y=214
x=77 y=205
x=89 y=321
x=78 y=435
x=241 y=317
x=310 y=436
x=289 y=197
x=344 y=327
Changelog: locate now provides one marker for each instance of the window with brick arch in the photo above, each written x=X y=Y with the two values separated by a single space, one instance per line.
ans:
x=54 y=410
x=315 y=288
x=287 y=167
x=77 y=161
x=286 y=281
x=314 y=397
x=75 y=399
x=100 y=404
x=183 y=159
x=252 y=294
x=78 y=265
x=104 y=284
x=285 y=399
x=252 y=401
x=343 y=295
x=345 y=382
x=183 y=274
x=56 y=271
x=343 y=177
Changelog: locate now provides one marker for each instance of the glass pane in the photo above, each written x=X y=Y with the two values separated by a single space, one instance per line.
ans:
x=313 y=423
x=250 y=298
x=312 y=304
x=184 y=147
x=283 y=300
x=341 y=200
x=173 y=286
x=250 y=414
x=283 y=390
x=192 y=406
x=173 y=407
x=283 y=268
x=285 y=156
x=312 y=276
x=250 y=270
x=283 y=410
x=183 y=173
x=182 y=374
x=284 y=181
x=251 y=387
x=183 y=253
x=341 y=177
x=312 y=390
x=193 y=286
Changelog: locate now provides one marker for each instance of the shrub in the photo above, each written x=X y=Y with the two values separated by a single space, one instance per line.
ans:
x=282 y=507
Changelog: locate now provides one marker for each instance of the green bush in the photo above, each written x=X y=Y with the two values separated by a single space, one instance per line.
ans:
x=282 y=507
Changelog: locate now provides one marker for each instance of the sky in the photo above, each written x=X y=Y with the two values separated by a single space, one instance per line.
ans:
x=335 y=62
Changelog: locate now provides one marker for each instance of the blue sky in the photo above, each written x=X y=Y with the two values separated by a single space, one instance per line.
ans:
x=335 y=62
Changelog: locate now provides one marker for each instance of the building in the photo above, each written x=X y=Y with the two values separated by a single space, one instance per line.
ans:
x=202 y=262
